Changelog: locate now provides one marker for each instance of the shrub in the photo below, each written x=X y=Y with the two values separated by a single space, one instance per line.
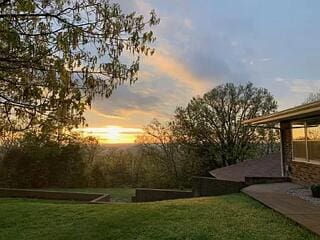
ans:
x=315 y=190
x=37 y=162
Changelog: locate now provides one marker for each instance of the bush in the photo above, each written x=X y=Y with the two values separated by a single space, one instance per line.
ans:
x=35 y=162
x=315 y=190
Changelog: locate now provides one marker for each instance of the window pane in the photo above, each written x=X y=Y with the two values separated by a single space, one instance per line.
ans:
x=299 y=143
x=313 y=133
x=299 y=150
x=298 y=133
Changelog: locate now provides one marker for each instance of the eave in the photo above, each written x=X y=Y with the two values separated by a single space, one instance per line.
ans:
x=295 y=113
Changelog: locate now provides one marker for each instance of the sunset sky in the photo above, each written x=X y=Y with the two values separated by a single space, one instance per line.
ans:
x=201 y=44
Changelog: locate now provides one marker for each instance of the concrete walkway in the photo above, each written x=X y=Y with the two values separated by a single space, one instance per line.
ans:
x=275 y=196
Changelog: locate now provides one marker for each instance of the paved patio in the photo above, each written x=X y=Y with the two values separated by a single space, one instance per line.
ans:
x=275 y=196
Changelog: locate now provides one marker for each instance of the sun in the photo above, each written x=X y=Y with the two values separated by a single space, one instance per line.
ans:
x=113 y=133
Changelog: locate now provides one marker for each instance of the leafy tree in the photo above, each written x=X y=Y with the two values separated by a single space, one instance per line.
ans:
x=212 y=125
x=40 y=161
x=56 y=56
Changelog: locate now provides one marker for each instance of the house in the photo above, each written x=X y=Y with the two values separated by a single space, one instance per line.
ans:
x=300 y=141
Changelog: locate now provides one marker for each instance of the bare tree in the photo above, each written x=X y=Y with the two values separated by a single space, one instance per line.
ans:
x=313 y=97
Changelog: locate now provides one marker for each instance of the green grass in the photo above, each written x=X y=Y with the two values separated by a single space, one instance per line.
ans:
x=226 y=217
x=117 y=194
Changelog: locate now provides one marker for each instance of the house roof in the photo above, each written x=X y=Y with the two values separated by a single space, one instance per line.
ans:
x=269 y=166
x=299 y=112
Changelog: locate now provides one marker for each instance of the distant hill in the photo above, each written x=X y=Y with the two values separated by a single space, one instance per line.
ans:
x=118 y=145
x=105 y=148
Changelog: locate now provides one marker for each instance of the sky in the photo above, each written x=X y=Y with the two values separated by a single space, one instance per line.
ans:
x=204 y=43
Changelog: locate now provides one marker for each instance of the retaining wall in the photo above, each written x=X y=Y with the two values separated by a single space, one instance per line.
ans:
x=264 y=180
x=53 y=195
x=205 y=186
x=149 y=194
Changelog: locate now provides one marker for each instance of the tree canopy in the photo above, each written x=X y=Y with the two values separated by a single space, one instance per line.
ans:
x=212 y=124
x=56 y=56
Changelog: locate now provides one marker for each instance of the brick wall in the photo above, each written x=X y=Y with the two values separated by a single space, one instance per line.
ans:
x=304 y=172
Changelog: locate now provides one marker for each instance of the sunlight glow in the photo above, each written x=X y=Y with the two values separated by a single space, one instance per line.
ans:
x=112 y=134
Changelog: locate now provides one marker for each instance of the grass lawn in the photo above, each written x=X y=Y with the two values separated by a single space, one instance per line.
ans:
x=117 y=194
x=227 y=217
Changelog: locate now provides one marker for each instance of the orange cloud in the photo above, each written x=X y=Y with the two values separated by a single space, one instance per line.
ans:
x=168 y=65
x=105 y=115
x=152 y=113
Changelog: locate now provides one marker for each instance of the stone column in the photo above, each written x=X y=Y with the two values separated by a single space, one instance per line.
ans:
x=286 y=147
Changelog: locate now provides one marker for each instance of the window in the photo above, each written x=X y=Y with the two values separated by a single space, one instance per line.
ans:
x=306 y=141
x=313 y=141
x=299 y=142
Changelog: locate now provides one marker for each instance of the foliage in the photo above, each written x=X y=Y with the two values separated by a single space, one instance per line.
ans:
x=132 y=167
x=63 y=160
x=315 y=190
x=225 y=217
x=166 y=161
x=205 y=135
x=115 y=168
x=56 y=56
x=40 y=161
x=212 y=125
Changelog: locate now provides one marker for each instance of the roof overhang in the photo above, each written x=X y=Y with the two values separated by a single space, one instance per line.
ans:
x=295 y=113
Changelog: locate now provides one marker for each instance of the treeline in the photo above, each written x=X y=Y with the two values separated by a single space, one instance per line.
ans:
x=35 y=161
x=209 y=132
x=206 y=134
x=40 y=161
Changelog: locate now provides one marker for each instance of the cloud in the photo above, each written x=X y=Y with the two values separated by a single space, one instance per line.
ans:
x=110 y=128
x=105 y=115
x=252 y=61
x=131 y=106
x=293 y=91
x=202 y=45
x=177 y=71
x=143 y=113
x=185 y=64
x=299 y=85
x=304 y=85
x=188 y=23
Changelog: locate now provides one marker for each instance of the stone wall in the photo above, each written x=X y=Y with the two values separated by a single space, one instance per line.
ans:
x=204 y=186
x=305 y=173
